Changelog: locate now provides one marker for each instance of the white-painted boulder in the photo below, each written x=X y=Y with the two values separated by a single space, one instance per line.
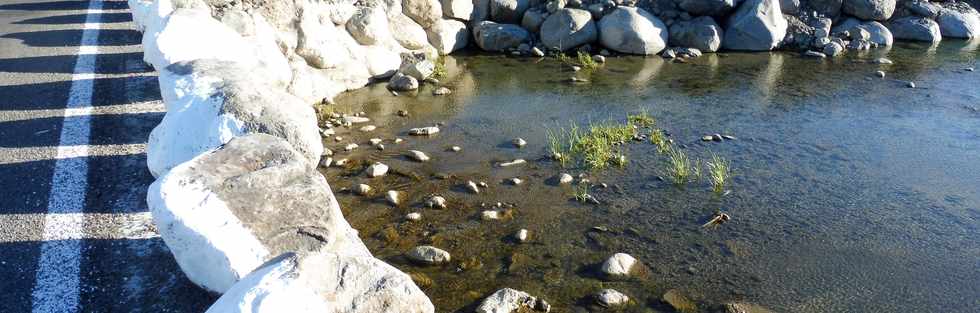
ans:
x=140 y=10
x=324 y=282
x=915 y=29
x=225 y=212
x=757 y=25
x=701 y=33
x=191 y=34
x=424 y=12
x=956 y=24
x=632 y=30
x=448 y=35
x=369 y=25
x=457 y=9
x=407 y=32
x=568 y=28
x=491 y=36
x=209 y=102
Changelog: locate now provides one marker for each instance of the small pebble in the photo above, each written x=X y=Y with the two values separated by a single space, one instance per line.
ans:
x=399 y=140
x=375 y=141
x=512 y=163
x=368 y=128
x=441 y=91
x=521 y=235
x=380 y=147
x=350 y=146
x=393 y=197
x=340 y=162
x=880 y=74
x=969 y=69
x=910 y=84
x=483 y=184
x=326 y=162
x=565 y=178
x=402 y=113
x=455 y=148
x=416 y=155
x=471 y=186
x=519 y=142
x=338 y=138
x=362 y=189
x=414 y=216
x=515 y=181
x=436 y=202
x=490 y=215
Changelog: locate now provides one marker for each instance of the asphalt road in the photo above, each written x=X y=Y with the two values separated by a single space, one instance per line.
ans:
x=75 y=235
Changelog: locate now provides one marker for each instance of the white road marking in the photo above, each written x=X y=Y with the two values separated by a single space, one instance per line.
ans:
x=56 y=287
x=107 y=226
x=33 y=154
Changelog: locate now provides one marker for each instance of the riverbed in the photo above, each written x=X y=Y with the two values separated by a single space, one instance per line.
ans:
x=850 y=192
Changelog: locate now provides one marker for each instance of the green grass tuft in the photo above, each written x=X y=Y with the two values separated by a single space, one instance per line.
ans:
x=440 y=70
x=642 y=119
x=658 y=138
x=594 y=147
x=586 y=61
x=680 y=168
x=720 y=171
x=581 y=193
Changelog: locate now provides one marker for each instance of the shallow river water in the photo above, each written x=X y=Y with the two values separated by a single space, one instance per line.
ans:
x=851 y=193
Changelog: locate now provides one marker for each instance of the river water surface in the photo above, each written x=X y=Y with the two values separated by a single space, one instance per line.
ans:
x=852 y=193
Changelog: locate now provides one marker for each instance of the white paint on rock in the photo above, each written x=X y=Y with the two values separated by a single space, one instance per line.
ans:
x=210 y=244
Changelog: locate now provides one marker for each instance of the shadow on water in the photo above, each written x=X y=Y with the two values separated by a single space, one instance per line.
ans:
x=852 y=193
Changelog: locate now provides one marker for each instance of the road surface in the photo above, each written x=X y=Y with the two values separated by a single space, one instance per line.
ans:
x=76 y=107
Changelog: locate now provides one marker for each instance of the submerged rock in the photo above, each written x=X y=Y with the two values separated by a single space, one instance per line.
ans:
x=565 y=178
x=679 y=302
x=741 y=307
x=428 y=255
x=618 y=265
x=472 y=187
x=519 y=142
x=512 y=163
x=362 y=189
x=510 y=300
x=393 y=197
x=490 y=215
x=521 y=235
x=416 y=155
x=611 y=297
x=424 y=131
x=377 y=169
x=436 y=202
x=414 y=216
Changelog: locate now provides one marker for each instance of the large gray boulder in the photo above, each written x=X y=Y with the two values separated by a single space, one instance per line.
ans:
x=757 y=25
x=532 y=20
x=492 y=36
x=701 y=33
x=632 y=30
x=957 y=24
x=324 y=282
x=923 y=8
x=568 y=28
x=707 y=7
x=915 y=29
x=448 y=35
x=228 y=211
x=508 y=11
x=424 y=12
x=879 y=33
x=209 y=102
x=830 y=8
x=877 y=10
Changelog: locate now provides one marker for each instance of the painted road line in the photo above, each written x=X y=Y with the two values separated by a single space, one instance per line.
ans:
x=56 y=287
x=98 y=226
x=33 y=154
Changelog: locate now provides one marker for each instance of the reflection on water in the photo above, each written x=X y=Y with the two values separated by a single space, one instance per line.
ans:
x=852 y=193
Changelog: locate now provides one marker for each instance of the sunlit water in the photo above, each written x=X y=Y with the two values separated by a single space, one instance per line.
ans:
x=852 y=193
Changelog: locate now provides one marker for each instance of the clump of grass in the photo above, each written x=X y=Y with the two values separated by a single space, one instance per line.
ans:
x=720 y=171
x=559 y=151
x=593 y=147
x=658 y=138
x=680 y=168
x=440 y=69
x=581 y=193
x=582 y=59
x=620 y=160
x=586 y=61
x=642 y=119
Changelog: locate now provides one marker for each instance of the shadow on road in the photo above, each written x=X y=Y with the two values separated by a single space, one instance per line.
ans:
x=77 y=19
x=73 y=37
x=109 y=63
x=61 y=5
